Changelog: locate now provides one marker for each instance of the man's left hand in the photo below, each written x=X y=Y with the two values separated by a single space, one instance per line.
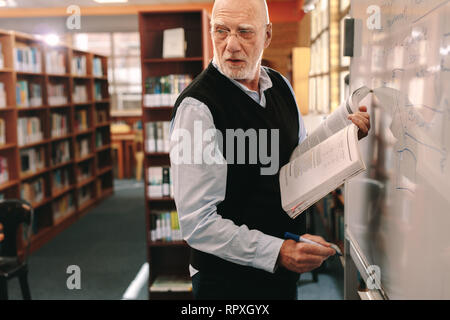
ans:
x=362 y=120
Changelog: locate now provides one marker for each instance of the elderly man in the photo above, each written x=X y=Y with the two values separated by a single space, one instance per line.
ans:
x=230 y=212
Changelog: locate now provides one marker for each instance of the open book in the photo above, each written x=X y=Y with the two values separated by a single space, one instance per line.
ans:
x=324 y=160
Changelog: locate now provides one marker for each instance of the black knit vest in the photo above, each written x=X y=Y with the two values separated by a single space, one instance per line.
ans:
x=251 y=198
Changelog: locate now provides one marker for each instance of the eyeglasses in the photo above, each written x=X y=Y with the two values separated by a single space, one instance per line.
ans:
x=222 y=33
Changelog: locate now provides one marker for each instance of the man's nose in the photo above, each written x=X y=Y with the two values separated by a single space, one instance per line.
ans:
x=233 y=44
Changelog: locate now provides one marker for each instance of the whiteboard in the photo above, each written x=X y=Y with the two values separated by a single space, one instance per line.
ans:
x=398 y=212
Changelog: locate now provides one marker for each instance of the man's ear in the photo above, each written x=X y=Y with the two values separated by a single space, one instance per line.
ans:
x=268 y=35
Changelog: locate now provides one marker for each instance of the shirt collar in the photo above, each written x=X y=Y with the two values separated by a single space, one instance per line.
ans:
x=264 y=80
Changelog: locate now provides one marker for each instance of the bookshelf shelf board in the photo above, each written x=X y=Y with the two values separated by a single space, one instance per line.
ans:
x=102 y=171
x=86 y=205
x=102 y=101
x=58 y=75
x=107 y=192
x=167 y=244
x=161 y=108
x=27 y=73
x=82 y=132
x=67 y=217
x=8 y=184
x=36 y=205
x=85 y=182
x=8 y=109
x=76 y=76
x=6 y=70
x=67 y=136
x=34 y=144
x=88 y=157
x=103 y=124
x=82 y=103
x=61 y=165
x=7 y=146
x=103 y=148
x=59 y=192
x=22 y=109
x=163 y=60
x=104 y=78
x=31 y=175
x=60 y=106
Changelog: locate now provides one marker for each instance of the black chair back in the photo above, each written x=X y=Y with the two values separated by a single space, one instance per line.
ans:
x=13 y=214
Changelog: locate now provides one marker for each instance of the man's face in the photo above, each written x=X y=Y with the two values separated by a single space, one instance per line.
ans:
x=239 y=38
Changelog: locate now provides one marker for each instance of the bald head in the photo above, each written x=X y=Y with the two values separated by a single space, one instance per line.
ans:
x=255 y=9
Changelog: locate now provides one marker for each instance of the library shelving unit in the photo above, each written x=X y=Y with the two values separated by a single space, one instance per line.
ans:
x=55 y=131
x=167 y=258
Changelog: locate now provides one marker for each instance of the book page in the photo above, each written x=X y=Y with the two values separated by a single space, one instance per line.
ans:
x=334 y=122
x=320 y=170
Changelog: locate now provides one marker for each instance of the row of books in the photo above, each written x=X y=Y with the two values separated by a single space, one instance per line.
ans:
x=101 y=116
x=80 y=94
x=99 y=140
x=56 y=94
x=159 y=182
x=32 y=160
x=97 y=67
x=61 y=179
x=158 y=136
x=27 y=59
x=29 y=130
x=33 y=191
x=55 y=62
x=63 y=207
x=82 y=148
x=79 y=66
x=60 y=152
x=84 y=195
x=81 y=120
x=164 y=226
x=84 y=171
x=28 y=95
x=59 y=124
x=164 y=91
x=4 y=175
x=2 y=132
x=2 y=95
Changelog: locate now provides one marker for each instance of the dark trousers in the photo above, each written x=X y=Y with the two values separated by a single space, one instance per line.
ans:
x=229 y=287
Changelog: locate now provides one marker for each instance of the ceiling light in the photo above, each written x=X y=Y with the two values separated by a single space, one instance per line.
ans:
x=51 y=39
x=8 y=3
x=111 y=1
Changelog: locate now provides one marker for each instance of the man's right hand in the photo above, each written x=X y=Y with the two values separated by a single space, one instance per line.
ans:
x=303 y=257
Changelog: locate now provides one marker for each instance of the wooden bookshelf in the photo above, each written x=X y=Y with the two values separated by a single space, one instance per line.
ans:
x=54 y=106
x=168 y=257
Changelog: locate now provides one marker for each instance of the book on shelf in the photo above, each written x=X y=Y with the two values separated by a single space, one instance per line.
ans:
x=164 y=226
x=158 y=137
x=159 y=182
x=63 y=207
x=84 y=195
x=27 y=59
x=60 y=152
x=32 y=160
x=55 y=62
x=97 y=67
x=164 y=91
x=84 y=172
x=101 y=116
x=4 y=173
x=2 y=95
x=82 y=148
x=2 y=132
x=79 y=66
x=29 y=130
x=80 y=94
x=81 y=120
x=98 y=91
x=28 y=95
x=56 y=95
x=60 y=179
x=99 y=142
x=174 y=43
x=60 y=123
x=33 y=191
x=171 y=283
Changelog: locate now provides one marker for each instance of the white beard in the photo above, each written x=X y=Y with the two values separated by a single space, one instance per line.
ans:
x=238 y=73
